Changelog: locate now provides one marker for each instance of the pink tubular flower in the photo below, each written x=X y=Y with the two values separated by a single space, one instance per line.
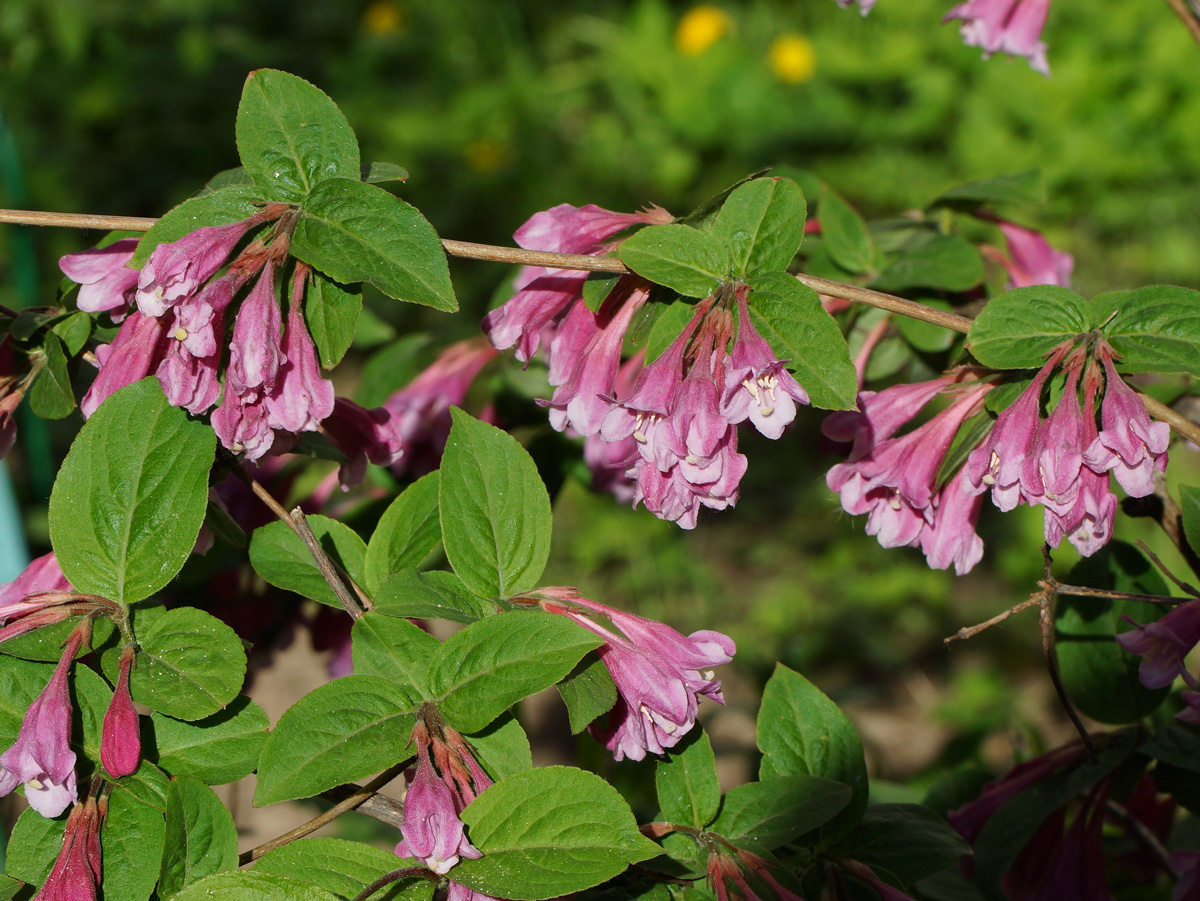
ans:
x=1005 y=26
x=176 y=270
x=105 y=281
x=362 y=435
x=658 y=672
x=432 y=829
x=1164 y=644
x=135 y=353
x=120 y=743
x=609 y=460
x=1034 y=261
x=42 y=757
x=951 y=537
x=43 y=574
x=188 y=372
x=1130 y=444
x=756 y=384
x=76 y=872
x=301 y=399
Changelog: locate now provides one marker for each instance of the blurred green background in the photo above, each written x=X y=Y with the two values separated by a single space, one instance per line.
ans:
x=501 y=109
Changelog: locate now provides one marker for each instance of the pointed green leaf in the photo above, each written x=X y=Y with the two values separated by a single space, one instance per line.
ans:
x=281 y=557
x=789 y=317
x=597 y=287
x=762 y=224
x=548 y=832
x=502 y=748
x=686 y=781
x=291 y=136
x=250 y=885
x=331 y=314
x=431 y=595
x=132 y=839
x=200 y=836
x=1153 y=329
x=379 y=173
x=408 y=530
x=33 y=846
x=588 y=691
x=343 y=869
x=74 y=331
x=1017 y=329
x=218 y=749
x=944 y=262
x=761 y=816
x=487 y=667
x=1024 y=187
x=221 y=207
x=392 y=649
x=802 y=732
x=845 y=233
x=9 y=887
x=495 y=511
x=349 y=729
x=130 y=497
x=687 y=261
x=355 y=232
x=51 y=396
x=907 y=842
x=667 y=327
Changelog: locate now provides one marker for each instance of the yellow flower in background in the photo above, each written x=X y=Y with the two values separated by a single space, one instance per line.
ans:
x=700 y=28
x=383 y=17
x=793 y=59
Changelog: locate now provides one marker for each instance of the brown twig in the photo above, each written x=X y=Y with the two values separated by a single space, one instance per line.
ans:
x=1161 y=507
x=1046 y=620
x=324 y=564
x=1189 y=18
x=356 y=798
x=379 y=807
x=1162 y=568
x=971 y=631
x=1082 y=591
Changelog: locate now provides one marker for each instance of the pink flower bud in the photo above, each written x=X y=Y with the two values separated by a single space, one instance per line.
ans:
x=120 y=743
x=76 y=872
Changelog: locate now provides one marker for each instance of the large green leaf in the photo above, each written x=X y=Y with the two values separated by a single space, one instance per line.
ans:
x=250 y=885
x=281 y=557
x=944 y=262
x=408 y=530
x=32 y=847
x=789 y=317
x=220 y=748
x=343 y=868
x=844 y=233
x=392 y=649
x=487 y=667
x=1017 y=329
x=495 y=511
x=687 y=261
x=1153 y=329
x=331 y=314
x=200 y=836
x=762 y=224
x=431 y=595
x=548 y=832
x=130 y=497
x=761 y=816
x=686 y=781
x=503 y=748
x=291 y=136
x=1025 y=187
x=905 y=842
x=355 y=232
x=802 y=732
x=351 y=728
x=132 y=838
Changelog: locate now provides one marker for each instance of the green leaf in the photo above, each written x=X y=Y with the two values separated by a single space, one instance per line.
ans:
x=1012 y=826
x=148 y=785
x=596 y=287
x=686 y=781
x=221 y=207
x=547 y=832
x=392 y=649
x=495 y=511
x=789 y=317
x=351 y=728
x=687 y=261
x=944 y=262
x=1189 y=504
x=588 y=691
x=667 y=327
x=291 y=136
x=762 y=224
x=802 y=732
x=408 y=530
x=1018 y=187
x=389 y=369
x=200 y=836
x=251 y=885
x=845 y=234
x=906 y=841
x=485 y=668
x=9 y=887
x=51 y=396
x=355 y=232
x=130 y=497
x=189 y=663
x=380 y=173
x=33 y=846
x=73 y=330
x=1176 y=743
x=925 y=336
x=1153 y=329
x=1098 y=674
x=1017 y=329
x=761 y=816
x=226 y=178
x=342 y=868
x=281 y=557
x=217 y=749
x=331 y=314
x=503 y=748
x=431 y=595
x=132 y=837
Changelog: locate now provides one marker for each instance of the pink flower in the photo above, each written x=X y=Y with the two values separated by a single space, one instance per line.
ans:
x=120 y=743
x=1034 y=261
x=301 y=399
x=188 y=372
x=609 y=460
x=1005 y=26
x=658 y=672
x=362 y=435
x=864 y=6
x=951 y=537
x=105 y=281
x=1051 y=475
x=1163 y=644
x=43 y=574
x=1130 y=444
x=432 y=829
x=756 y=384
x=135 y=353
x=42 y=757
x=76 y=872
x=176 y=270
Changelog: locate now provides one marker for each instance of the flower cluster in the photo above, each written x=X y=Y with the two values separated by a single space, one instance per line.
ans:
x=671 y=424
x=660 y=674
x=173 y=325
x=1060 y=462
